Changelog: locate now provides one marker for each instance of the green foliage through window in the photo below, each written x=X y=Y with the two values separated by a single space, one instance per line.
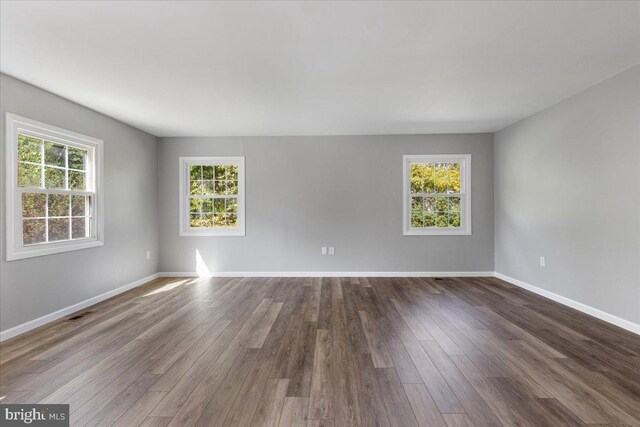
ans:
x=54 y=217
x=46 y=164
x=213 y=201
x=51 y=165
x=435 y=195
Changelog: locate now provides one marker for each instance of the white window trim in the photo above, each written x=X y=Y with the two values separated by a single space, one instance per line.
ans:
x=185 y=162
x=13 y=205
x=465 y=194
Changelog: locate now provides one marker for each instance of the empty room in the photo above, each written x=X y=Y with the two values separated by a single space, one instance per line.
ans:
x=320 y=213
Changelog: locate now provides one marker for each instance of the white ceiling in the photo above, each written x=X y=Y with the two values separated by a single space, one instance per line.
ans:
x=317 y=68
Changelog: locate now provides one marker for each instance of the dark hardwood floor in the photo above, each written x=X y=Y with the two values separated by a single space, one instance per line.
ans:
x=328 y=352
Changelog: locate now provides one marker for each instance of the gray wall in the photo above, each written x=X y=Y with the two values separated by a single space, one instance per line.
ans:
x=34 y=287
x=306 y=192
x=567 y=187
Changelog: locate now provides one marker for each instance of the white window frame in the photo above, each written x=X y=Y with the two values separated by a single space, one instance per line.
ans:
x=465 y=194
x=185 y=163
x=16 y=125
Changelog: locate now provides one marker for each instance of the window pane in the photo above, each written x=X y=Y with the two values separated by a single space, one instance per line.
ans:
x=207 y=220
x=232 y=172
x=195 y=172
x=207 y=188
x=76 y=180
x=194 y=221
x=429 y=219
x=78 y=228
x=29 y=149
x=207 y=172
x=232 y=220
x=454 y=204
x=417 y=209
x=58 y=229
x=58 y=205
x=54 y=154
x=416 y=202
x=428 y=179
x=218 y=205
x=195 y=206
x=195 y=188
x=207 y=205
x=34 y=205
x=454 y=219
x=442 y=204
x=232 y=187
x=219 y=188
x=232 y=205
x=53 y=178
x=429 y=204
x=220 y=172
x=29 y=175
x=454 y=178
x=416 y=178
x=417 y=219
x=77 y=158
x=33 y=231
x=78 y=205
x=219 y=220
x=441 y=174
x=442 y=219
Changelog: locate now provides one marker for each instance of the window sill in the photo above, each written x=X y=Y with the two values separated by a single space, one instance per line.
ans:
x=213 y=233
x=32 y=252
x=437 y=232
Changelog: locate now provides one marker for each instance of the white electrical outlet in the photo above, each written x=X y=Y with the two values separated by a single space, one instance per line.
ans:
x=542 y=262
x=332 y=250
x=324 y=250
x=148 y=254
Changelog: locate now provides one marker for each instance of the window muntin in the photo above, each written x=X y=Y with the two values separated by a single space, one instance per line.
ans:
x=436 y=199
x=212 y=196
x=52 y=189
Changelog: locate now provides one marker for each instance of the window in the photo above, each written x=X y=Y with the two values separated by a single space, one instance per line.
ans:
x=53 y=189
x=212 y=196
x=437 y=194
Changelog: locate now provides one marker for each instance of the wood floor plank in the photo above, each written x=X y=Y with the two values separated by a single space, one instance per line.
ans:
x=301 y=364
x=345 y=387
x=423 y=406
x=370 y=399
x=328 y=352
x=259 y=335
x=294 y=412
x=377 y=348
x=138 y=412
x=270 y=407
x=312 y=308
x=156 y=422
x=321 y=395
x=192 y=392
x=395 y=399
x=118 y=406
x=471 y=401
x=412 y=321
x=249 y=396
x=457 y=420
x=221 y=403
x=440 y=391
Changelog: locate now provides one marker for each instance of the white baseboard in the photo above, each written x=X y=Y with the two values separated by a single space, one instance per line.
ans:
x=331 y=274
x=591 y=311
x=32 y=324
